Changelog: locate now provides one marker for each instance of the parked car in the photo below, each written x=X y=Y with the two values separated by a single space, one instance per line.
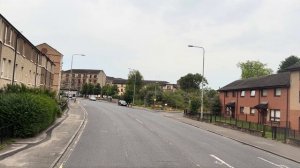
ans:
x=93 y=98
x=122 y=103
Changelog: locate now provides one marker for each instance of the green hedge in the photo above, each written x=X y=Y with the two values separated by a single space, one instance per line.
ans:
x=29 y=113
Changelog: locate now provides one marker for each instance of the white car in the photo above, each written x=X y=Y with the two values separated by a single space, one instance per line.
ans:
x=93 y=98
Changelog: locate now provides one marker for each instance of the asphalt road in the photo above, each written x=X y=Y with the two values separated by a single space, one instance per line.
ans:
x=119 y=137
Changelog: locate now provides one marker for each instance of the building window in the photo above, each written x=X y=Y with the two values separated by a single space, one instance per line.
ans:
x=242 y=93
x=3 y=68
x=264 y=92
x=252 y=111
x=252 y=93
x=233 y=93
x=277 y=92
x=275 y=115
x=242 y=110
x=95 y=76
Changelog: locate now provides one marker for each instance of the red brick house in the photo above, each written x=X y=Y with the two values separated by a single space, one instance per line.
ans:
x=273 y=99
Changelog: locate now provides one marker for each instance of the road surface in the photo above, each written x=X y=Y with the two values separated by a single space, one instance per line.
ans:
x=122 y=137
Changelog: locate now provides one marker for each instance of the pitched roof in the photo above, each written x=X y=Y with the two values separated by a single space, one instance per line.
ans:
x=293 y=67
x=49 y=47
x=83 y=71
x=275 y=80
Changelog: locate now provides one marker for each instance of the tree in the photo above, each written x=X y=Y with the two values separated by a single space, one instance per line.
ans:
x=90 y=89
x=135 y=79
x=97 y=89
x=253 y=69
x=151 y=92
x=191 y=82
x=84 y=89
x=291 y=60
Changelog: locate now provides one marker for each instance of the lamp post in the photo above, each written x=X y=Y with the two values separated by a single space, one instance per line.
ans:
x=72 y=71
x=201 y=112
x=134 y=84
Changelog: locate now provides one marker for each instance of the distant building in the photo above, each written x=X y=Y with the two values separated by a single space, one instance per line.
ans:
x=80 y=77
x=20 y=61
x=56 y=57
x=273 y=99
x=121 y=84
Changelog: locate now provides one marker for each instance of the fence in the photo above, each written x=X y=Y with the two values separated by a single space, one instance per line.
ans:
x=6 y=132
x=268 y=131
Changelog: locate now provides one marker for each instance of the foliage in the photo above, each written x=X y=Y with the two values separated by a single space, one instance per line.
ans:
x=194 y=105
x=84 y=90
x=110 y=90
x=174 y=99
x=150 y=92
x=135 y=79
x=191 y=82
x=253 y=69
x=29 y=110
x=289 y=61
x=216 y=106
x=97 y=89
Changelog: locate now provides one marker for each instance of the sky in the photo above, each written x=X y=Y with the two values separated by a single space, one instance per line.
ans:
x=152 y=35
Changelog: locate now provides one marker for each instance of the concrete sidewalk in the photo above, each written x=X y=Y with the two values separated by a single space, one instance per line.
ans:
x=271 y=146
x=45 y=149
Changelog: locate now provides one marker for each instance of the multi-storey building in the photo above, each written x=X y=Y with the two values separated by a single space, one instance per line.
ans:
x=273 y=99
x=56 y=57
x=20 y=61
x=80 y=77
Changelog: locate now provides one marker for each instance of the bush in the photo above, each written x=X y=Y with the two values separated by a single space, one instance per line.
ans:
x=29 y=113
x=194 y=106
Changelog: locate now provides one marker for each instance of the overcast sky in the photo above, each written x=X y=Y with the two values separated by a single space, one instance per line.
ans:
x=152 y=35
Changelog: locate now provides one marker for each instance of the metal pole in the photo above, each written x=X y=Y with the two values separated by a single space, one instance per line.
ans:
x=202 y=82
x=134 y=87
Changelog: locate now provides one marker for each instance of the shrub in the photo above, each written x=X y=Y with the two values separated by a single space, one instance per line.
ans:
x=29 y=113
x=194 y=106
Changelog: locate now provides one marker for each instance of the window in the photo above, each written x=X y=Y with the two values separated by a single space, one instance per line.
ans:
x=252 y=93
x=242 y=93
x=242 y=110
x=233 y=93
x=264 y=92
x=3 y=68
x=95 y=76
x=252 y=111
x=277 y=92
x=275 y=115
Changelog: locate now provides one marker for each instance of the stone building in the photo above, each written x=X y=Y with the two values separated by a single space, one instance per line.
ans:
x=80 y=77
x=20 y=61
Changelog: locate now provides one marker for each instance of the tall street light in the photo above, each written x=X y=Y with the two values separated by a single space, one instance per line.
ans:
x=134 y=84
x=72 y=71
x=202 y=79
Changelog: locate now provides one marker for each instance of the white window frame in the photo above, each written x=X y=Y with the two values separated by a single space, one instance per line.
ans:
x=252 y=93
x=252 y=111
x=275 y=92
x=243 y=93
x=275 y=115
x=264 y=91
x=3 y=68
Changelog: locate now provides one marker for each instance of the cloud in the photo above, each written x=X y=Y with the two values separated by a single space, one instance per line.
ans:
x=152 y=36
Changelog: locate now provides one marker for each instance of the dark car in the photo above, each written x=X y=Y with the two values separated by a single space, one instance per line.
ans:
x=122 y=103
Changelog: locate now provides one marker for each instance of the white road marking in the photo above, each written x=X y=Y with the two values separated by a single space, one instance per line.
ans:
x=221 y=162
x=277 y=165
x=139 y=121
x=197 y=165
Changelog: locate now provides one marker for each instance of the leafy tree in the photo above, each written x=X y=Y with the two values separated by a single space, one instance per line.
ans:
x=291 y=60
x=195 y=104
x=191 y=82
x=216 y=105
x=174 y=99
x=84 y=89
x=135 y=79
x=113 y=90
x=90 y=89
x=97 y=89
x=151 y=92
x=253 y=69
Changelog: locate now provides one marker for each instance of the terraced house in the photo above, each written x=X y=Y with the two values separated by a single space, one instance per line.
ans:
x=272 y=100
x=20 y=61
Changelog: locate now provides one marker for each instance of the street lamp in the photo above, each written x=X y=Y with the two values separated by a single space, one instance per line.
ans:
x=72 y=71
x=134 y=84
x=202 y=78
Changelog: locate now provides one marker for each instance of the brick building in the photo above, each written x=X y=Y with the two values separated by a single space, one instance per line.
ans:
x=273 y=99
x=56 y=57
x=20 y=61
